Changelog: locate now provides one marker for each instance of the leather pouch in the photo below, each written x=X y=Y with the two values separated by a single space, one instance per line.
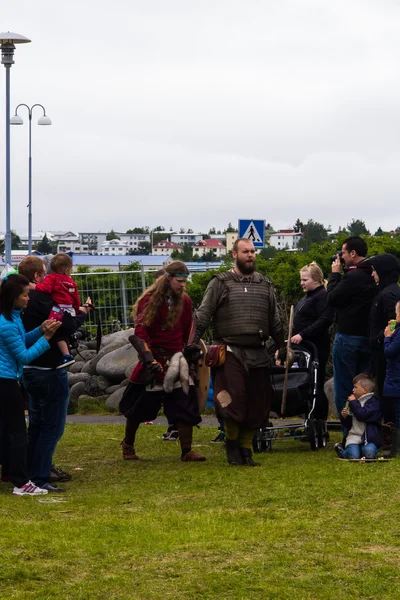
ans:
x=216 y=354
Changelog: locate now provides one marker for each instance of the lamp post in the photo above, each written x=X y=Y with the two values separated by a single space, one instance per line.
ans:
x=17 y=120
x=8 y=41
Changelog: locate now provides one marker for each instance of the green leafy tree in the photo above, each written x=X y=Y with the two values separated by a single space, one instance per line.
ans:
x=230 y=228
x=313 y=232
x=112 y=236
x=357 y=227
x=15 y=242
x=145 y=229
x=379 y=232
x=186 y=255
x=45 y=246
x=267 y=252
x=298 y=226
x=157 y=237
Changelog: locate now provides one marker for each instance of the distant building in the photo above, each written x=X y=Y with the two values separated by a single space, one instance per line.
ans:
x=231 y=238
x=285 y=238
x=93 y=241
x=212 y=245
x=134 y=240
x=114 y=248
x=186 y=238
x=166 y=248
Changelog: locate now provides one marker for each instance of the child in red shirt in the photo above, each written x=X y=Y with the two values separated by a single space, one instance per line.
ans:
x=64 y=291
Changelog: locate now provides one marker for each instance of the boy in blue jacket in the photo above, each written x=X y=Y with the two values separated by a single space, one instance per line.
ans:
x=362 y=419
x=391 y=386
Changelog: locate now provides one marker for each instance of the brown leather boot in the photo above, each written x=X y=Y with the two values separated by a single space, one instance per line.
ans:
x=128 y=452
x=192 y=456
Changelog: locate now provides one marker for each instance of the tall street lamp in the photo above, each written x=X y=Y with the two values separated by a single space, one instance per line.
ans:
x=17 y=120
x=7 y=42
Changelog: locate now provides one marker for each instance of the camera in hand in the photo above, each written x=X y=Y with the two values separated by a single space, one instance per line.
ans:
x=338 y=254
x=79 y=336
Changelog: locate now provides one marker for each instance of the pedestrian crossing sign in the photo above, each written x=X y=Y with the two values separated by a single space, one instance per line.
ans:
x=253 y=230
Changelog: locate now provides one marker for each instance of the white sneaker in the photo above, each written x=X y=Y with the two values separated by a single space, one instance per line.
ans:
x=29 y=489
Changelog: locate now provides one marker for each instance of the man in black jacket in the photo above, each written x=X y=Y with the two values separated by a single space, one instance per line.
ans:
x=351 y=295
x=47 y=386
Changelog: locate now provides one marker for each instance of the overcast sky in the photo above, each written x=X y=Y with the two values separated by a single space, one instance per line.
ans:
x=196 y=113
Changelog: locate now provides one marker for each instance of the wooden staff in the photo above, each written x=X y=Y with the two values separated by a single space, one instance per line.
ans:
x=285 y=380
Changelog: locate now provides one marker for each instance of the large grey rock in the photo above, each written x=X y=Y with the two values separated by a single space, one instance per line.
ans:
x=330 y=394
x=77 y=377
x=113 y=388
x=114 y=364
x=76 y=367
x=87 y=355
x=77 y=390
x=113 y=401
x=88 y=368
x=91 y=345
x=119 y=338
x=93 y=362
x=97 y=385
x=129 y=370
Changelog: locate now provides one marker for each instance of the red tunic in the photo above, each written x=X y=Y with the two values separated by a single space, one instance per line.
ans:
x=162 y=342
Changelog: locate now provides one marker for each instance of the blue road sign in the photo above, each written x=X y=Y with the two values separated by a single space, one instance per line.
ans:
x=253 y=230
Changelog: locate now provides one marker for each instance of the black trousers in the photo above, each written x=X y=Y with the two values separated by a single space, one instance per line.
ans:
x=13 y=442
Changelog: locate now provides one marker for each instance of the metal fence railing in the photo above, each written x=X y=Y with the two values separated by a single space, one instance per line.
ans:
x=113 y=293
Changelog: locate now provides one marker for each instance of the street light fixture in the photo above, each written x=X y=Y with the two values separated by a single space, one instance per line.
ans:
x=17 y=120
x=7 y=42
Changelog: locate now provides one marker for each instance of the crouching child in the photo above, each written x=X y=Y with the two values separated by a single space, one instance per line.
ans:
x=361 y=418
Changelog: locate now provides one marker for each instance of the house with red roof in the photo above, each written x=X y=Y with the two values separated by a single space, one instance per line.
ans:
x=215 y=246
x=166 y=248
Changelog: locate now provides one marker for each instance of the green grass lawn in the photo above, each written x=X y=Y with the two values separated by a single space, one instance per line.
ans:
x=303 y=526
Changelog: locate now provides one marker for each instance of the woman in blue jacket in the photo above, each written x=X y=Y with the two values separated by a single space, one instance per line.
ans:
x=17 y=348
x=391 y=387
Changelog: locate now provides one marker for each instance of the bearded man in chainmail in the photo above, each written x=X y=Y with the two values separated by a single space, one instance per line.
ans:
x=243 y=307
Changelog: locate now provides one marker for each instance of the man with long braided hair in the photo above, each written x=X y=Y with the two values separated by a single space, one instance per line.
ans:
x=163 y=323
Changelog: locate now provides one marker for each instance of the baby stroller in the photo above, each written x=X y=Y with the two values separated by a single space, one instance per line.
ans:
x=301 y=399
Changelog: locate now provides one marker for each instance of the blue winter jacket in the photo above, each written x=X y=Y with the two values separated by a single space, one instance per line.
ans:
x=18 y=348
x=371 y=415
x=391 y=349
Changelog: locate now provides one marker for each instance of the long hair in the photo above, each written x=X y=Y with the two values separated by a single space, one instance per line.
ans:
x=10 y=289
x=157 y=292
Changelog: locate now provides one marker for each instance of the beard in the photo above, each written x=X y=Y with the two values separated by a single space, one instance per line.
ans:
x=245 y=267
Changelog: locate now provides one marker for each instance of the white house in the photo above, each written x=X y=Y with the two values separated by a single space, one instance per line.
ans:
x=285 y=239
x=166 y=248
x=186 y=238
x=134 y=240
x=214 y=246
x=93 y=240
x=114 y=248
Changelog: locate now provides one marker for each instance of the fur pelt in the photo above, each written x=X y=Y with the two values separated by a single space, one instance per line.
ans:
x=178 y=370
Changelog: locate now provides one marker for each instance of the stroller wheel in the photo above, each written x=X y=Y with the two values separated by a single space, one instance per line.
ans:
x=322 y=433
x=258 y=441
x=313 y=434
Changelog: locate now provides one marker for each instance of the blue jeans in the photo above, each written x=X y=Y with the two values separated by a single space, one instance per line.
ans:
x=351 y=356
x=360 y=450
x=48 y=396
